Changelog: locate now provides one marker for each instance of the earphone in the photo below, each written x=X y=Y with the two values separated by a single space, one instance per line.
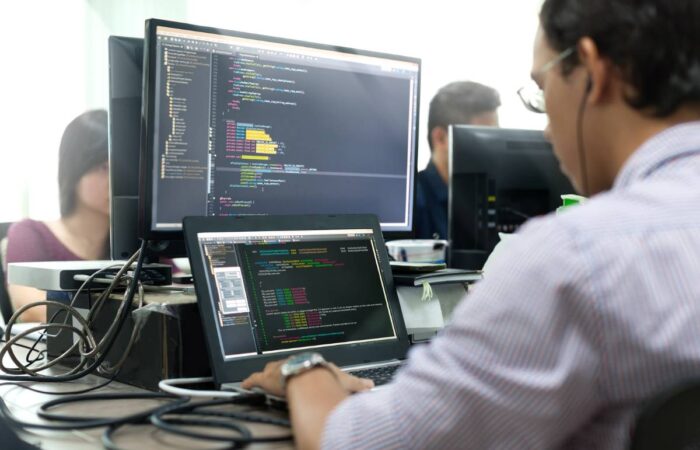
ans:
x=579 y=136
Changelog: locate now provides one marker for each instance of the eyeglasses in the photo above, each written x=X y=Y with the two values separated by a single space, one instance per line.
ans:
x=531 y=94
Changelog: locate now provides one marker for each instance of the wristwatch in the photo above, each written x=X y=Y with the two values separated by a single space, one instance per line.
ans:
x=301 y=363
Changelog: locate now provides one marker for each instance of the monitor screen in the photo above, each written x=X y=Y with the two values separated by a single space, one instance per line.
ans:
x=281 y=291
x=240 y=124
x=499 y=178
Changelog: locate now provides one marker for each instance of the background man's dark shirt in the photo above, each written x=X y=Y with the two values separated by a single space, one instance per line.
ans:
x=431 y=204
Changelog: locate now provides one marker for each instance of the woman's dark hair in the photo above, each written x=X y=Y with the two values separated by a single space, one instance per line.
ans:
x=459 y=102
x=83 y=147
x=654 y=43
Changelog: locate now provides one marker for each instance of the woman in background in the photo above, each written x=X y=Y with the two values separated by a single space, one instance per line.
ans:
x=82 y=232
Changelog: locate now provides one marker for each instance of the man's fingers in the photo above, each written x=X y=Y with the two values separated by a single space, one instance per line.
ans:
x=252 y=381
x=355 y=384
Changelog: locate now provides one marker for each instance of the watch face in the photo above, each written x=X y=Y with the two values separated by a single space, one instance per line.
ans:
x=301 y=361
x=299 y=358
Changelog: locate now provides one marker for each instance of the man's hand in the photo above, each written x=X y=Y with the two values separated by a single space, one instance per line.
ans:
x=270 y=379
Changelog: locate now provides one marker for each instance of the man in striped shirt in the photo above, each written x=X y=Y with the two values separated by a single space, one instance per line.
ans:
x=589 y=313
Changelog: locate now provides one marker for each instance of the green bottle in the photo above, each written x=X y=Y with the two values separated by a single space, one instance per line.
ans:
x=569 y=200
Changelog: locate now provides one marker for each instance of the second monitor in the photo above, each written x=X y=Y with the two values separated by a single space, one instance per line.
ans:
x=241 y=124
x=499 y=178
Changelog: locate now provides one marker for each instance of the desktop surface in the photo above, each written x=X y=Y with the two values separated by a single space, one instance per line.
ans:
x=25 y=404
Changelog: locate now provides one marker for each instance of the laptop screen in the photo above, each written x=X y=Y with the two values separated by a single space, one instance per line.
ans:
x=281 y=291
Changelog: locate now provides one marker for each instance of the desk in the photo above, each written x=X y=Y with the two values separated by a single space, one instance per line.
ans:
x=169 y=345
x=24 y=404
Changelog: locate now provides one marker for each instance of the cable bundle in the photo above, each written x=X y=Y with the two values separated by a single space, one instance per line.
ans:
x=92 y=352
x=177 y=416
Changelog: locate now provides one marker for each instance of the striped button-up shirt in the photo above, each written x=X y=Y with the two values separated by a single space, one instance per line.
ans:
x=585 y=316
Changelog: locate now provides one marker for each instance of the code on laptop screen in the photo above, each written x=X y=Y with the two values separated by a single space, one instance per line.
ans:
x=284 y=291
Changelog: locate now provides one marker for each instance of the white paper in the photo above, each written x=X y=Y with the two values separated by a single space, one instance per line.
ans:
x=416 y=312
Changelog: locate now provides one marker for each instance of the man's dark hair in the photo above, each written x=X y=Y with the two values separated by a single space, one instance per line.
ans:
x=654 y=43
x=83 y=147
x=458 y=103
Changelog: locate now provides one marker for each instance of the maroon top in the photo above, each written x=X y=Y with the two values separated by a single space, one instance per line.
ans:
x=30 y=240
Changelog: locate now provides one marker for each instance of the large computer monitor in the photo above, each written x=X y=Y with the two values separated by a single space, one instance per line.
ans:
x=243 y=124
x=125 y=86
x=499 y=178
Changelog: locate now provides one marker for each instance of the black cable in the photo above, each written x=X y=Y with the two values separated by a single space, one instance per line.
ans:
x=20 y=369
x=109 y=444
x=111 y=336
x=70 y=311
x=579 y=136
x=516 y=212
x=77 y=392
x=83 y=423
x=171 y=425
x=46 y=407
x=87 y=284
x=256 y=418
x=43 y=334
x=156 y=416
x=41 y=354
x=176 y=425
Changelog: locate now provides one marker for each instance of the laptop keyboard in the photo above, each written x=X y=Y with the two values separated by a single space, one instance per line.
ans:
x=380 y=375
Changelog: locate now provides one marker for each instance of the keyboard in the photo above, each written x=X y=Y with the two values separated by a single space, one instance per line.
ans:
x=380 y=375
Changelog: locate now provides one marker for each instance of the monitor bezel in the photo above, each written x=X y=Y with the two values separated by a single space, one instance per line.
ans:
x=227 y=371
x=145 y=225
x=123 y=188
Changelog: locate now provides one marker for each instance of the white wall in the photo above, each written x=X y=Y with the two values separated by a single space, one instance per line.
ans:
x=54 y=67
x=40 y=88
x=485 y=41
x=55 y=61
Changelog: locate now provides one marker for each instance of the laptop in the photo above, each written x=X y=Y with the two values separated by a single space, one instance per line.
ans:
x=272 y=286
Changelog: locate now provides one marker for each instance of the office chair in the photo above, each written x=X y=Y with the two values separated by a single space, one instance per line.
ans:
x=670 y=420
x=5 y=304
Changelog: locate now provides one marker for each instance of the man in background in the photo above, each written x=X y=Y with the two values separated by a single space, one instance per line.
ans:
x=460 y=102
